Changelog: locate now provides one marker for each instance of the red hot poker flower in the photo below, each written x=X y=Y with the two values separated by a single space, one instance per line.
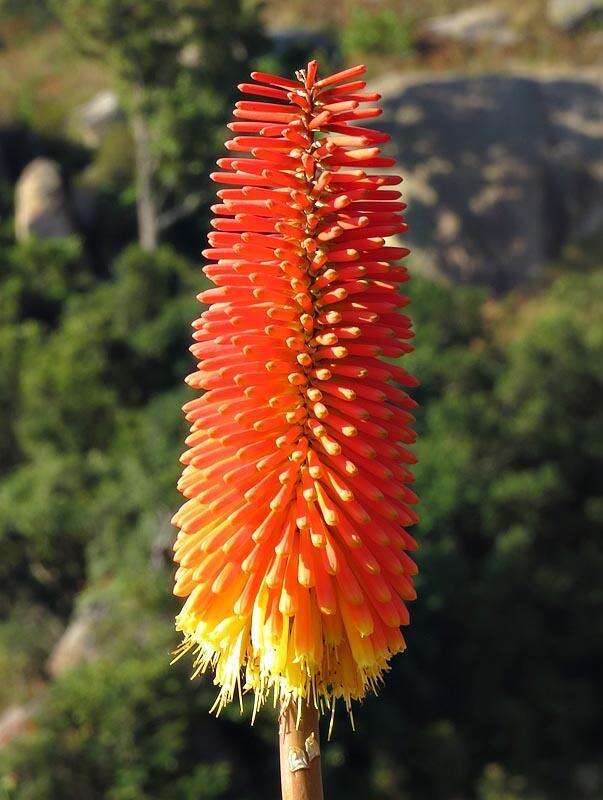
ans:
x=292 y=548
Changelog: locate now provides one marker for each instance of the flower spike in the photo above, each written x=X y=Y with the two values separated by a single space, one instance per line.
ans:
x=293 y=544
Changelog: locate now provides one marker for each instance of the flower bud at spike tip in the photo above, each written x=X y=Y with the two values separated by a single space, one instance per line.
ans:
x=291 y=551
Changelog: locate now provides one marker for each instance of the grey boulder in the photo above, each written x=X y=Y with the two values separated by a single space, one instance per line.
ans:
x=501 y=172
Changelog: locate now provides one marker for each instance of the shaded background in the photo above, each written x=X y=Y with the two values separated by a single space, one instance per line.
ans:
x=111 y=115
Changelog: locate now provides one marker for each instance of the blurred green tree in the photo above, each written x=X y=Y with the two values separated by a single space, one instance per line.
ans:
x=176 y=63
x=84 y=360
x=507 y=642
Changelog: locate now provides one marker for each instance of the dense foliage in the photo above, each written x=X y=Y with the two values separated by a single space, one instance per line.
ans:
x=506 y=636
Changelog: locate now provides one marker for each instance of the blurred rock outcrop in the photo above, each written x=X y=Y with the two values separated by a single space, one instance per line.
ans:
x=91 y=122
x=568 y=15
x=40 y=203
x=483 y=24
x=77 y=644
x=17 y=720
x=500 y=171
